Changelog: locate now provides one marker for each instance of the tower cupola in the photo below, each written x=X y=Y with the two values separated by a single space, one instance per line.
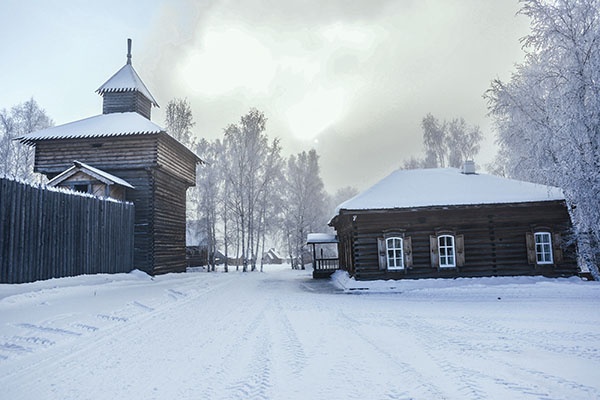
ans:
x=126 y=92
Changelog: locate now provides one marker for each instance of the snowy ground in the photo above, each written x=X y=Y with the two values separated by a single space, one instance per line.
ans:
x=282 y=335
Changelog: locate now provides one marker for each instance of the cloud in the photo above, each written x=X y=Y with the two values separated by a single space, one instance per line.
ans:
x=353 y=79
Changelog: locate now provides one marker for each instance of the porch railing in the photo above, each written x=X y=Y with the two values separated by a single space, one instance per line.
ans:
x=328 y=264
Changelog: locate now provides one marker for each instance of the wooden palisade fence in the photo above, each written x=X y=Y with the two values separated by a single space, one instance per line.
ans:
x=49 y=234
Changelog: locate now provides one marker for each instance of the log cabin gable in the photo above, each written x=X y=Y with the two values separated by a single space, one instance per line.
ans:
x=86 y=179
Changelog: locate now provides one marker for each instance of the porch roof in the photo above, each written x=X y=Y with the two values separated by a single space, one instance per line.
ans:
x=321 y=238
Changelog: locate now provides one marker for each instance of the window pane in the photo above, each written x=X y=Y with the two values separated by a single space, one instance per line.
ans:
x=543 y=248
x=394 y=253
x=446 y=251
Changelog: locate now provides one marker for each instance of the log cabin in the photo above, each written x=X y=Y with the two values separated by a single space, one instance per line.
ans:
x=125 y=144
x=449 y=223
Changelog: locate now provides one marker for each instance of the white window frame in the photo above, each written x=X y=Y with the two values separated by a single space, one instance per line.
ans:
x=447 y=252
x=543 y=249
x=394 y=253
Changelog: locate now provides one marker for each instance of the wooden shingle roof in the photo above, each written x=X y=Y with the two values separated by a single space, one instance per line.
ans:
x=126 y=80
x=104 y=125
x=102 y=176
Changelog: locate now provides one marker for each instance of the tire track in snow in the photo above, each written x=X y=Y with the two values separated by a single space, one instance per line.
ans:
x=118 y=324
x=47 y=329
x=524 y=386
x=291 y=344
x=531 y=339
x=255 y=385
x=18 y=345
x=438 y=342
x=255 y=370
x=243 y=370
x=425 y=389
x=15 y=348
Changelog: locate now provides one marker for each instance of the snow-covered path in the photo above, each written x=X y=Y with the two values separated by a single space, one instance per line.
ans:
x=282 y=335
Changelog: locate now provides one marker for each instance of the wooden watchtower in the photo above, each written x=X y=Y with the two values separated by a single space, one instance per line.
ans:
x=125 y=143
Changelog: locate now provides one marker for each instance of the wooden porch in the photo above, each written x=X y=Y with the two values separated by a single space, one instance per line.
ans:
x=324 y=262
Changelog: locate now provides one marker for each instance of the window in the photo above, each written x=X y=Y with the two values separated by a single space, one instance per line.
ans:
x=543 y=248
x=83 y=187
x=395 y=253
x=446 y=251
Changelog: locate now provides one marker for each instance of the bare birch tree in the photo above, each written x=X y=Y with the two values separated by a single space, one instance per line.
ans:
x=207 y=193
x=249 y=164
x=306 y=203
x=16 y=159
x=446 y=143
x=179 y=121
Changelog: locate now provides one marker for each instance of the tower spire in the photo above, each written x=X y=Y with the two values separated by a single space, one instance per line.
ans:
x=129 y=51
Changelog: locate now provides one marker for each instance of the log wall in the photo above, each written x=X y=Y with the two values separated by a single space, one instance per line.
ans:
x=130 y=101
x=494 y=239
x=169 y=223
x=50 y=234
x=106 y=153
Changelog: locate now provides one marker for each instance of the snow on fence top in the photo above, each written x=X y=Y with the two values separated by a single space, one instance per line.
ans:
x=60 y=189
x=114 y=124
x=446 y=187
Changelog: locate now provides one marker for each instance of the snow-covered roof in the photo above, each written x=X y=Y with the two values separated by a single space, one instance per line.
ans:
x=321 y=238
x=126 y=79
x=102 y=176
x=114 y=124
x=446 y=187
x=274 y=253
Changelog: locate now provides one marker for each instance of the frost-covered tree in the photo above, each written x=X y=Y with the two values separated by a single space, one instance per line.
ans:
x=205 y=197
x=341 y=195
x=462 y=142
x=434 y=141
x=250 y=166
x=547 y=115
x=446 y=143
x=179 y=121
x=16 y=159
x=306 y=205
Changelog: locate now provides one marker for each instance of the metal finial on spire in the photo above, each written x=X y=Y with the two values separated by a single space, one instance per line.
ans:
x=128 y=51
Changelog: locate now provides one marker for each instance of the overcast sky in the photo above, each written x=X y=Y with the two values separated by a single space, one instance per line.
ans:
x=352 y=79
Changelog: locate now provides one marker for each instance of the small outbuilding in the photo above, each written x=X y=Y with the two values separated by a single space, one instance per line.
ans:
x=324 y=258
x=454 y=223
x=87 y=179
x=272 y=257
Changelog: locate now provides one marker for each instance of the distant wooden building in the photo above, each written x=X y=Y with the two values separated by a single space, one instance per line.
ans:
x=124 y=143
x=272 y=257
x=447 y=223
